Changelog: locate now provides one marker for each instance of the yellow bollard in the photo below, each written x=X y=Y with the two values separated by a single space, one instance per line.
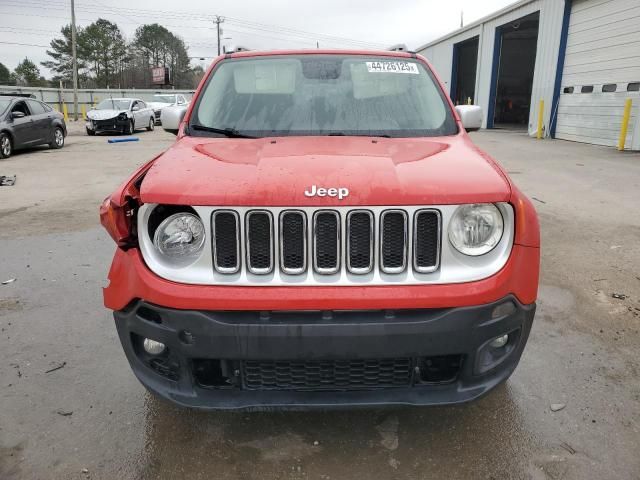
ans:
x=540 y=119
x=83 y=109
x=469 y=101
x=625 y=124
x=65 y=112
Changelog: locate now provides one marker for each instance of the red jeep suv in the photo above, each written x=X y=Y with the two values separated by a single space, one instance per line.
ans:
x=323 y=233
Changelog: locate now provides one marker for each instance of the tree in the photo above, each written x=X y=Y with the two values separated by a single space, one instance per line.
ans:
x=62 y=59
x=104 y=49
x=161 y=48
x=5 y=76
x=27 y=74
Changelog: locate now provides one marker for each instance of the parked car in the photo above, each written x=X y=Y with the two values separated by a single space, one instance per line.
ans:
x=25 y=122
x=162 y=100
x=323 y=233
x=124 y=115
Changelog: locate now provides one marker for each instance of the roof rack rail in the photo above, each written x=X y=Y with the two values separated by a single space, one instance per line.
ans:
x=236 y=49
x=398 y=47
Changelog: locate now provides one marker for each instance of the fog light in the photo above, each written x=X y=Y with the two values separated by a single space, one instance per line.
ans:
x=152 y=347
x=496 y=343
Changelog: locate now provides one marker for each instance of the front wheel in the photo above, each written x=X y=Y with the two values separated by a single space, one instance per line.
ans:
x=152 y=124
x=58 y=138
x=128 y=130
x=6 y=147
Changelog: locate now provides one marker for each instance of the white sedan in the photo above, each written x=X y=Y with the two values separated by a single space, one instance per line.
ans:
x=120 y=115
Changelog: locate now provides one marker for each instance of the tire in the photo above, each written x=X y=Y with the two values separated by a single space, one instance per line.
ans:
x=6 y=145
x=58 y=138
x=129 y=129
x=152 y=125
x=91 y=133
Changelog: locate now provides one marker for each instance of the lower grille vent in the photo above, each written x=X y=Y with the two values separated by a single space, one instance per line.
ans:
x=329 y=375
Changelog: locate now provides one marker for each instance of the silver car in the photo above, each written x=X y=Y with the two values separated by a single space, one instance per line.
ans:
x=162 y=100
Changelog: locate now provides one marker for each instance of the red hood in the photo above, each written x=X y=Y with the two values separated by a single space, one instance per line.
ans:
x=276 y=172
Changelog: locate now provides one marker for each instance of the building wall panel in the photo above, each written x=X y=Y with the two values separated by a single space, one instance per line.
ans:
x=603 y=47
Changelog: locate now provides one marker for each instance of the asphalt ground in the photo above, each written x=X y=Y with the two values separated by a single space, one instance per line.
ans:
x=90 y=418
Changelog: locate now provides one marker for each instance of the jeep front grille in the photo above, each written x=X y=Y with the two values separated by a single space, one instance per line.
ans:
x=336 y=241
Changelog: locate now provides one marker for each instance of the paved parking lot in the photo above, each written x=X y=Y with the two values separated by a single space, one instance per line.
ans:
x=92 y=419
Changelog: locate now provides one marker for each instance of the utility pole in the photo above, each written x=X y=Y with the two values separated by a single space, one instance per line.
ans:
x=75 y=61
x=218 y=21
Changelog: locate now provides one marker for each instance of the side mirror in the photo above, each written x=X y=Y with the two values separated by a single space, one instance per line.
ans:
x=171 y=118
x=471 y=116
x=17 y=115
x=135 y=108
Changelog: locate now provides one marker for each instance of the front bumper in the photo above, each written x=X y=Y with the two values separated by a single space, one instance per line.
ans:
x=445 y=350
x=109 y=125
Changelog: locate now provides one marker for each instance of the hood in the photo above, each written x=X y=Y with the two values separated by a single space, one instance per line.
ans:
x=103 y=114
x=277 y=171
x=158 y=105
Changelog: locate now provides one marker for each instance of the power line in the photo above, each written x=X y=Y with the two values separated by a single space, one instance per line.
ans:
x=94 y=8
x=25 y=44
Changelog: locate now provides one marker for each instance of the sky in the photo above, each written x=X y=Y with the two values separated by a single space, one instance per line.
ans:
x=28 y=26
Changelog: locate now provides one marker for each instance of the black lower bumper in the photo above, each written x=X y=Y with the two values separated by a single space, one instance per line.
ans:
x=111 y=125
x=244 y=360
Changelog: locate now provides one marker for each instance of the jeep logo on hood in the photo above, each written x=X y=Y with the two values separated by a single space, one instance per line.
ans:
x=340 y=192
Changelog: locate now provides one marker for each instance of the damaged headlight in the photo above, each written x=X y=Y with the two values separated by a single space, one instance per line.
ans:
x=180 y=238
x=122 y=116
x=476 y=229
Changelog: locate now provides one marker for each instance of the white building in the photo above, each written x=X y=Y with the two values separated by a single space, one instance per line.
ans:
x=582 y=57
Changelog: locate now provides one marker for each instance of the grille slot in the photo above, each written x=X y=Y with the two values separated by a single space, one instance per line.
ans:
x=326 y=241
x=426 y=241
x=293 y=242
x=360 y=241
x=259 y=242
x=328 y=375
x=226 y=241
x=393 y=241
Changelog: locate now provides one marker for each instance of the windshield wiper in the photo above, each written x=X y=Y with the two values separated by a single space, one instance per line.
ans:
x=342 y=134
x=227 y=132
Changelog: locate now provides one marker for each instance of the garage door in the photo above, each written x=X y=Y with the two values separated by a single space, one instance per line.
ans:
x=601 y=70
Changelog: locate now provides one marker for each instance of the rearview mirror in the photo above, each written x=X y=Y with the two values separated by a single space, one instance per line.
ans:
x=17 y=115
x=171 y=118
x=471 y=117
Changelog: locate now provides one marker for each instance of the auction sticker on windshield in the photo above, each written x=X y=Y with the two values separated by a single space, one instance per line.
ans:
x=393 y=67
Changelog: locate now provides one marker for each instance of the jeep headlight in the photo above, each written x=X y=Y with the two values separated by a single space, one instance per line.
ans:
x=180 y=238
x=122 y=116
x=476 y=229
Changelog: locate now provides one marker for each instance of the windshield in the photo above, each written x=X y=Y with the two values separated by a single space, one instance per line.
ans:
x=322 y=95
x=164 y=98
x=4 y=103
x=113 y=104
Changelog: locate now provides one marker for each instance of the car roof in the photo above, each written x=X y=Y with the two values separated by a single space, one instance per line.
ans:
x=373 y=53
x=19 y=97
